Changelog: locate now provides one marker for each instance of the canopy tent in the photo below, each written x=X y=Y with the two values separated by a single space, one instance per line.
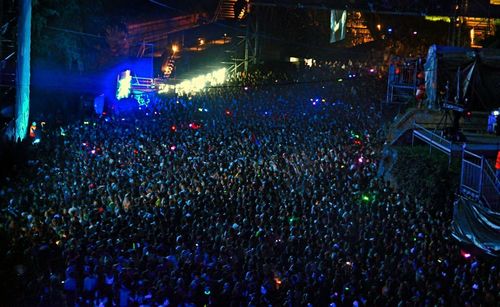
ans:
x=465 y=76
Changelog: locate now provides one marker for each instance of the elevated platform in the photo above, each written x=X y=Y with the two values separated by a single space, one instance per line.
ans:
x=485 y=144
x=428 y=125
x=402 y=80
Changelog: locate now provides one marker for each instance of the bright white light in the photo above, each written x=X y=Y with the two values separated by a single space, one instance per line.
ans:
x=219 y=75
x=124 y=85
x=496 y=112
x=165 y=88
x=196 y=84
x=309 y=62
x=293 y=59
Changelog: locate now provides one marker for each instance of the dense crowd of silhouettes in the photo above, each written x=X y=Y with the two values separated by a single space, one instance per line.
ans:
x=261 y=192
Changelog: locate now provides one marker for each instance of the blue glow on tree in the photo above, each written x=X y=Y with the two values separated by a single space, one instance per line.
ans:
x=23 y=70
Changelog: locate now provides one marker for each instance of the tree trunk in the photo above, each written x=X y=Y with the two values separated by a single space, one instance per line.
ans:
x=23 y=69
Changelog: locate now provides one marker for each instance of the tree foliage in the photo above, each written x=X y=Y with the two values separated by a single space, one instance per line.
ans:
x=117 y=40
x=427 y=176
x=63 y=31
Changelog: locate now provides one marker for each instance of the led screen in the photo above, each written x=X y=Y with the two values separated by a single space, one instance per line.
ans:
x=338 y=20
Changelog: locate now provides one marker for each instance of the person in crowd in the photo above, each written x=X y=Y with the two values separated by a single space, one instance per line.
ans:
x=270 y=197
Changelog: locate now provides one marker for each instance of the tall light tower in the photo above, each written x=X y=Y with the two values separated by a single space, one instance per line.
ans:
x=23 y=70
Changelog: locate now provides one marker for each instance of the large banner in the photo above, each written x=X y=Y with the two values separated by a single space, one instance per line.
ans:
x=338 y=21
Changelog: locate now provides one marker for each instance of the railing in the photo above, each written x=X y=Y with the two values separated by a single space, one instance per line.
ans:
x=218 y=10
x=143 y=84
x=405 y=117
x=478 y=180
x=401 y=128
x=470 y=178
x=432 y=139
x=400 y=93
x=490 y=190
x=401 y=81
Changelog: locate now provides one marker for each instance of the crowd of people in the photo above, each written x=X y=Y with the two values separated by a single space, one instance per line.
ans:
x=245 y=195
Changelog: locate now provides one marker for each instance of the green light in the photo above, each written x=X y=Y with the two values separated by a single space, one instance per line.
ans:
x=438 y=18
x=365 y=198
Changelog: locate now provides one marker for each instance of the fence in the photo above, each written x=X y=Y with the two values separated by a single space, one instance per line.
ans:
x=478 y=180
x=401 y=81
x=433 y=140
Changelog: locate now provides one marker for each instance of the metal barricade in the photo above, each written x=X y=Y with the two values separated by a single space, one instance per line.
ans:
x=432 y=139
x=478 y=180
x=470 y=178
x=491 y=187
